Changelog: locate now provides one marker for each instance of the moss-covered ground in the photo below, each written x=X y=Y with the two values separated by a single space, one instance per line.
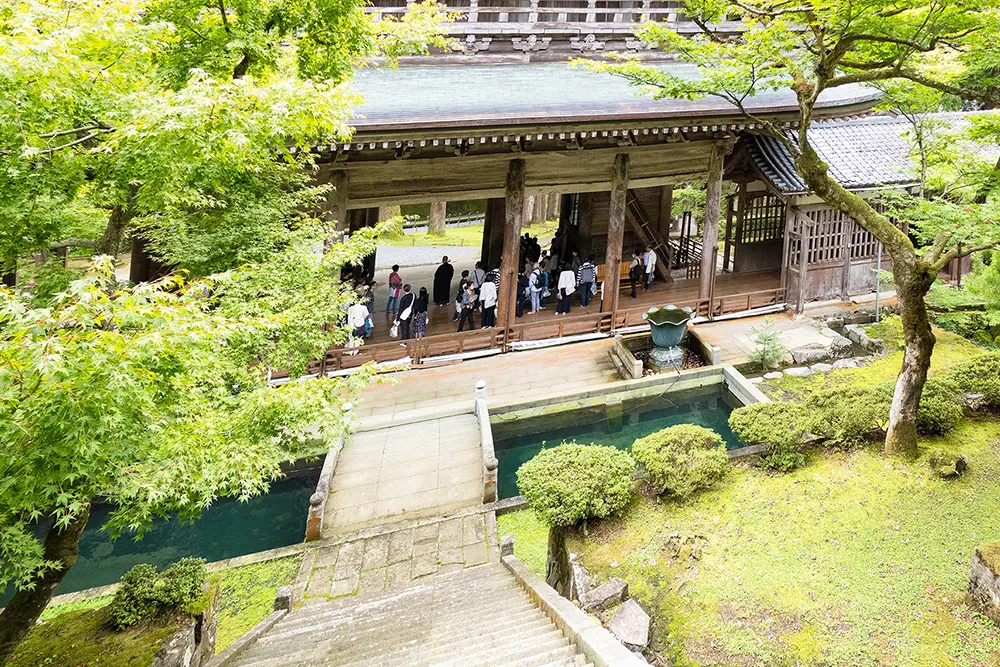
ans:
x=74 y=635
x=470 y=235
x=854 y=559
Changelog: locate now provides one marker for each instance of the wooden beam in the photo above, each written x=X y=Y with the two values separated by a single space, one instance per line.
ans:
x=336 y=209
x=616 y=229
x=514 y=211
x=847 y=233
x=493 y=233
x=713 y=212
x=786 y=245
x=800 y=302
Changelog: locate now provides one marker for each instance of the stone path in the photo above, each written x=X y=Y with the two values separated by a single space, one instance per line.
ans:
x=424 y=549
x=413 y=470
x=512 y=377
x=736 y=337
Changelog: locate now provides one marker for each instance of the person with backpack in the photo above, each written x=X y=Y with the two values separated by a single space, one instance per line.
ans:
x=469 y=300
x=395 y=283
x=536 y=285
x=635 y=272
x=458 y=295
x=405 y=318
x=586 y=277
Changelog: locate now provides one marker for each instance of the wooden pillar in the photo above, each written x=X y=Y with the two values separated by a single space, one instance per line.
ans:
x=493 y=233
x=787 y=241
x=616 y=230
x=530 y=208
x=514 y=210
x=665 y=217
x=436 y=218
x=540 y=211
x=800 y=302
x=554 y=204
x=713 y=212
x=388 y=212
x=847 y=233
x=336 y=209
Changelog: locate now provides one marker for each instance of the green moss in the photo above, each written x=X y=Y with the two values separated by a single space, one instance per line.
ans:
x=990 y=555
x=531 y=537
x=470 y=235
x=246 y=595
x=79 y=637
x=853 y=560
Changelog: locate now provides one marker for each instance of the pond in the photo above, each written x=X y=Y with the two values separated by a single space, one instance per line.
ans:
x=520 y=440
x=227 y=529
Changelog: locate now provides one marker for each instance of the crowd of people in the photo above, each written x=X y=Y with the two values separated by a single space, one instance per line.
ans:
x=540 y=274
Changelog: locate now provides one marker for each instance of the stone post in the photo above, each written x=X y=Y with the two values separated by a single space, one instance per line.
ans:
x=480 y=394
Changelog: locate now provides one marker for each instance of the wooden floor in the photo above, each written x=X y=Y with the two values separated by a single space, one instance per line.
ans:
x=681 y=291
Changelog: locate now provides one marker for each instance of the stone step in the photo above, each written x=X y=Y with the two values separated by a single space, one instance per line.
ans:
x=442 y=640
x=418 y=610
x=513 y=649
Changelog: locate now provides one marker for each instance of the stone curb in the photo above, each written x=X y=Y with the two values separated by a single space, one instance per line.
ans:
x=600 y=647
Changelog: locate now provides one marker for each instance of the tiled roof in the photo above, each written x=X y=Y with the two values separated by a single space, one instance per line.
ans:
x=861 y=153
x=450 y=96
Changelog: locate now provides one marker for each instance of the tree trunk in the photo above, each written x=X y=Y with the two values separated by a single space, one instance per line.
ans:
x=17 y=620
x=913 y=279
x=110 y=242
x=557 y=565
x=911 y=286
x=436 y=218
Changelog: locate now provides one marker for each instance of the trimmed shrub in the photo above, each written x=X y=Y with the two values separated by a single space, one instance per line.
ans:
x=979 y=375
x=939 y=410
x=849 y=416
x=779 y=426
x=144 y=594
x=682 y=459
x=572 y=483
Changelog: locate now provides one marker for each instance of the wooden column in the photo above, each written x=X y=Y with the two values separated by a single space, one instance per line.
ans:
x=388 y=212
x=847 y=233
x=336 y=209
x=493 y=233
x=616 y=231
x=540 y=212
x=786 y=249
x=800 y=298
x=514 y=211
x=713 y=212
x=665 y=217
x=530 y=209
x=554 y=205
x=727 y=237
x=436 y=218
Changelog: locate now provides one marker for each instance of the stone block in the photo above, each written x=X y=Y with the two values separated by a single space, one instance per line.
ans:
x=507 y=546
x=799 y=371
x=810 y=354
x=425 y=565
x=984 y=581
x=610 y=592
x=580 y=581
x=821 y=367
x=631 y=626
x=473 y=529
x=851 y=362
x=835 y=323
x=475 y=554
x=450 y=533
x=376 y=553
x=756 y=380
x=400 y=546
x=283 y=598
x=773 y=375
x=828 y=332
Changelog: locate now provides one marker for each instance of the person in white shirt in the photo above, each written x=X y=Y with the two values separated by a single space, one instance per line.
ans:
x=566 y=286
x=488 y=297
x=650 y=265
x=356 y=316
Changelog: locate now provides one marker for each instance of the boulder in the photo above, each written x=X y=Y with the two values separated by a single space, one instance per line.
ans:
x=859 y=317
x=974 y=401
x=810 y=354
x=835 y=323
x=821 y=367
x=851 y=362
x=612 y=591
x=947 y=465
x=580 y=581
x=841 y=347
x=631 y=626
x=799 y=371
x=773 y=375
x=828 y=332
x=984 y=582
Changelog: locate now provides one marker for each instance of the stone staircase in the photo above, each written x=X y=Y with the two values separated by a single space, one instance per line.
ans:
x=475 y=616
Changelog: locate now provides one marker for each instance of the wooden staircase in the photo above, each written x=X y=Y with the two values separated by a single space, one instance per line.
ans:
x=670 y=254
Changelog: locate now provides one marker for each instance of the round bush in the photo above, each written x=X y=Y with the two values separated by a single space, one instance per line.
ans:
x=572 y=483
x=979 y=375
x=143 y=593
x=849 y=416
x=779 y=426
x=682 y=459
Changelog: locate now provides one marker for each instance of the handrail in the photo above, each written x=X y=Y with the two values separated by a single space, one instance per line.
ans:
x=490 y=463
x=317 y=501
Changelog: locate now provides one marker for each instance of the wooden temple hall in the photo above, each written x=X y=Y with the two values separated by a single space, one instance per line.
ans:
x=503 y=117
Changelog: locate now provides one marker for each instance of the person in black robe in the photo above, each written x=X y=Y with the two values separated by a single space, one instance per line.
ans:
x=442 y=282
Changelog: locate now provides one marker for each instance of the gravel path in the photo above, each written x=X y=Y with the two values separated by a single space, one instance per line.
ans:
x=422 y=255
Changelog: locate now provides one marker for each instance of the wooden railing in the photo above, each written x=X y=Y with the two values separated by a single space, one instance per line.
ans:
x=497 y=339
x=544 y=11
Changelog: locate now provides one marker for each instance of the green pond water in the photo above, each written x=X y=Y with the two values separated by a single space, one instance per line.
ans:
x=517 y=443
x=227 y=529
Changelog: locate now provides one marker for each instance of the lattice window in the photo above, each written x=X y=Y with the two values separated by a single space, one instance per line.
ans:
x=764 y=219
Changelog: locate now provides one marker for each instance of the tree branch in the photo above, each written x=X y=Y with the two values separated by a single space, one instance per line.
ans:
x=957 y=252
x=73 y=243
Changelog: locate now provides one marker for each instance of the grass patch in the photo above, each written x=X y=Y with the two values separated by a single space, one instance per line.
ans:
x=470 y=235
x=75 y=635
x=531 y=537
x=246 y=595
